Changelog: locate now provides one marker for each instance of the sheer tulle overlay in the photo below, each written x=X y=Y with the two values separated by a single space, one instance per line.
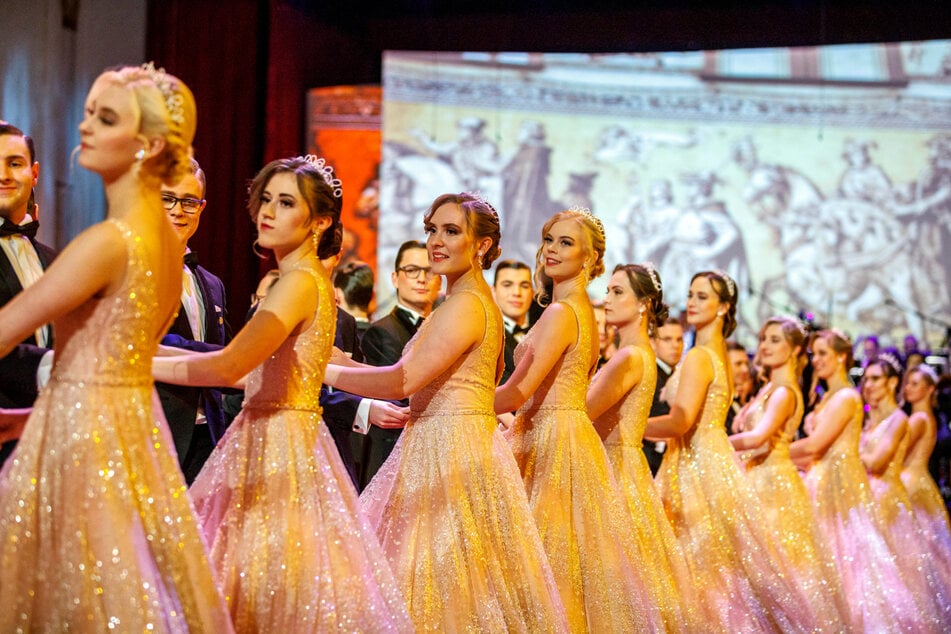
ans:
x=742 y=585
x=657 y=551
x=290 y=545
x=853 y=531
x=451 y=512
x=98 y=532
x=790 y=526
x=578 y=507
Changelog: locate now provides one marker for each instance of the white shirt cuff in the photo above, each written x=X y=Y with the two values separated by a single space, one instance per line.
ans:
x=361 y=422
x=43 y=370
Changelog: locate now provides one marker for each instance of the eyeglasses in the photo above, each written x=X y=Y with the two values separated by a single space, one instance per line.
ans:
x=189 y=205
x=413 y=272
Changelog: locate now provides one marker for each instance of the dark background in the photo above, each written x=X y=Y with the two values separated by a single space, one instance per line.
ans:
x=251 y=62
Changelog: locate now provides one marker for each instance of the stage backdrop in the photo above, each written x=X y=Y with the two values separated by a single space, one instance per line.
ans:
x=819 y=178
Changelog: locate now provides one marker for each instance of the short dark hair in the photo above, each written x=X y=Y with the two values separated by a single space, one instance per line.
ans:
x=355 y=279
x=8 y=129
x=517 y=265
x=406 y=246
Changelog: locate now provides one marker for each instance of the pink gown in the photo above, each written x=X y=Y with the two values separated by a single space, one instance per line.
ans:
x=290 y=545
x=741 y=584
x=450 y=509
x=98 y=532
x=576 y=502
x=658 y=553
x=852 y=529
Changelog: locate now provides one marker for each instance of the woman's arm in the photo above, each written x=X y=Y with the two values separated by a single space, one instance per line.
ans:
x=696 y=375
x=290 y=306
x=94 y=263
x=554 y=333
x=450 y=332
x=878 y=457
x=780 y=406
x=828 y=425
x=614 y=380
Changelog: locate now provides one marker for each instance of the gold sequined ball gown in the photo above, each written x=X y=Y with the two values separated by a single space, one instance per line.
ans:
x=450 y=510
x=852 y=529
x=742 y=586
x=290 y=545
x=98 y=532
x=577 y=504
x=657 y=550
x=787 y=511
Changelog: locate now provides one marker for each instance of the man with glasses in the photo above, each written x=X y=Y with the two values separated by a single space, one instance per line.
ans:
x=195 y=416
x=416 y=292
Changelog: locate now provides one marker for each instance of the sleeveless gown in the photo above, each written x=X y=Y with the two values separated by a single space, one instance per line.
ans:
x=926 y=571
x=97 y=529
x=742 y=586
x=290 y=546
x=852 y=529
x=578 y=507
x=450 y=510
x=657 y=551
x=787 y=511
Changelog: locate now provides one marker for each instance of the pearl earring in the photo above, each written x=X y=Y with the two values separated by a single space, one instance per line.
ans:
x=140 y=154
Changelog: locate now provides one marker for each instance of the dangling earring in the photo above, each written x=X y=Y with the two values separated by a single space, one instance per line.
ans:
x=256 y=248
x=140 y=155
x=315 y=236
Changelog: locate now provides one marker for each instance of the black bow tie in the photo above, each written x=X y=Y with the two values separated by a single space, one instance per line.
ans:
x=191 y=260
x=519 y=330
x=28 y=230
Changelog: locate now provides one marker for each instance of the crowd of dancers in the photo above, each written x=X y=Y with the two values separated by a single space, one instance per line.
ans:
x=525 y=506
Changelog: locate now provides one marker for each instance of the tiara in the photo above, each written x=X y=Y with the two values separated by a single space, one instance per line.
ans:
x=326 y=172
x=584 y=211
x=891 y=360
x=928 y=371
x=478 y=197
x=173 y=100
x=730 y=284
x=655 y=278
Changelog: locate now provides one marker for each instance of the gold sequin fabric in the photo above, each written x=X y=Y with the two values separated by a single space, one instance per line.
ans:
x=657 y=550
x=741 y=585
x=450 y=509
x=789 y=524
x=577 y=504
x=852 y=529
x=290 y=545
x=925 y=567
x=98 y=533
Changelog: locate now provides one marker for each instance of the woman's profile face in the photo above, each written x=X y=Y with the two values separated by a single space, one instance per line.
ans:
x=283 y=218
x=621 y=305
x=875 y=384
x=450 y=248
x=563 y=250
x=774 y=350
x=109 y=132
x=824 y=360
x=703 y=303
x=916 y=388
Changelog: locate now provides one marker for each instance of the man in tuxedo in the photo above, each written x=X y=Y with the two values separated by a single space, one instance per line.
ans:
x=416 y=292
x=22 y=261
x=668 y=345
x=512 y=291
x=195 y=415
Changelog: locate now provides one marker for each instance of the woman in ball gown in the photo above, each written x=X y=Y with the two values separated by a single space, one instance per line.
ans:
x=448 y=504
x=575 y=499
x=848 y=520
x=883 y=447
x=741 y=585
x=290 y=546
x=97 y=530
x=768 y=424
x=619 y=402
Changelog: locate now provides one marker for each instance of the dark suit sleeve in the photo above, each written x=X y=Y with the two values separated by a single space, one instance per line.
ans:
x=18 y=375
x=380 y=348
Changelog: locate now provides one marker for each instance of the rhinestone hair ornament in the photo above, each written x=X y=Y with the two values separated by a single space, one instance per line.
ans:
x=326 y=172
x=730 y=284
x=173 y=100
x=584 y=211
x=928 y=371
x=890 y=359
x=655 y=278
x=478 y=198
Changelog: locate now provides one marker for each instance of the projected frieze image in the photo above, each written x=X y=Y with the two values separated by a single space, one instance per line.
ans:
x=819 y=178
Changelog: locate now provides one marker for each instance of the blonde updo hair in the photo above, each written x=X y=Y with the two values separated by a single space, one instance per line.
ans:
x=155 y=119
x=594 y=245
x=482 y=221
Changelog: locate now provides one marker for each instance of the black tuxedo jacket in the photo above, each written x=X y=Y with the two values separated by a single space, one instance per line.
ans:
x=509 y=357
x=340 y=408
x=18 y=369
x=658 y=408
x=181 y=402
